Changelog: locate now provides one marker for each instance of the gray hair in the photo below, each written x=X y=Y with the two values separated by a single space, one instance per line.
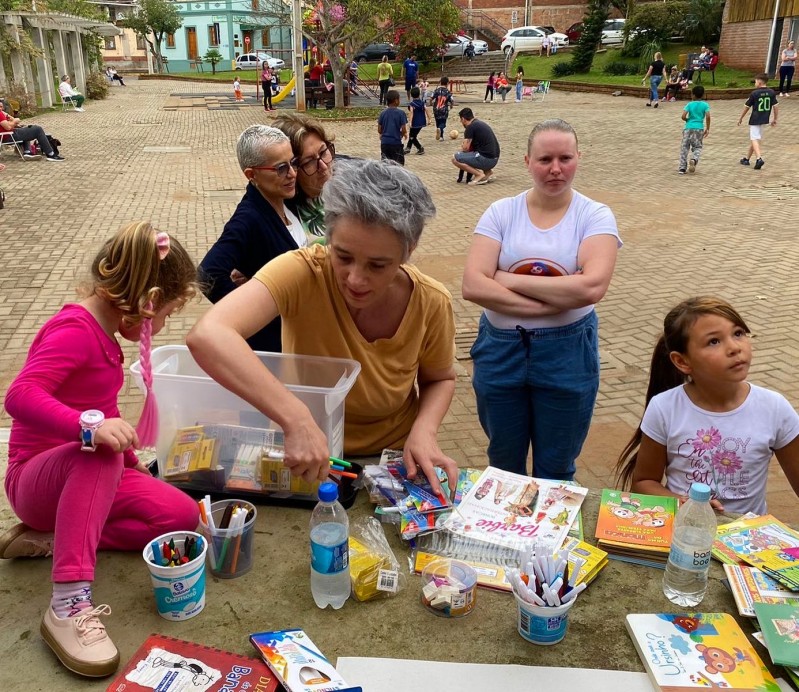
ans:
x=379 y=193
x=253 y=141
x=552 y=124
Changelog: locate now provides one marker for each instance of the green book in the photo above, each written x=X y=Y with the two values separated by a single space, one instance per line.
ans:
x=780 y=626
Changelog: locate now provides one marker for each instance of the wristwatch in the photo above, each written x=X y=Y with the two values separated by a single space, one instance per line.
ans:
x=90 y=421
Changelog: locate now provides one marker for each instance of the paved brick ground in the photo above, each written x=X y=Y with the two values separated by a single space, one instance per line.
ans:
x=726 y=230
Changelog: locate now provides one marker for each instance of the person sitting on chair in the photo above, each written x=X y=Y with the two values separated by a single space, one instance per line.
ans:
x=9 y=125
x=70 y=94
x=114 y=76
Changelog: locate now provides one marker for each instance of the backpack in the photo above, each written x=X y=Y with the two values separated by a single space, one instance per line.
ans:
x=441 y=99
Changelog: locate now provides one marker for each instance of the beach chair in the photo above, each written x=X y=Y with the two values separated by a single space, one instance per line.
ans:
x=542 y=88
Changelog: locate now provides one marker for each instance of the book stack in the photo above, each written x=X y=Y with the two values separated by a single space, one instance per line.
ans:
x=636 y=528
x=779 y=624
x=697 y=651
x=763 y=542
x=750 y=585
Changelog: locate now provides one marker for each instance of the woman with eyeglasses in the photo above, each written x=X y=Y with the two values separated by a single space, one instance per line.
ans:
x=262 y=227
x=355 y=297
x=315 y=153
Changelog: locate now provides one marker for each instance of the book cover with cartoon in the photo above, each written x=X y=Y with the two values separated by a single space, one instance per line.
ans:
x=512 y=510
x=780 y=626
x=635 y=519
x=749 y=586
x=698 y=651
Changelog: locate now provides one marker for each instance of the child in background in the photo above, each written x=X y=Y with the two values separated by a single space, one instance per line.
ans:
x=423 y=85
x=519 y=84
x=441 y=100
x=73 y=476
x=762 y=101
x=419 y=119
x=696 y=115
x=237 y=89
x=703 y=421
x=392 y=126
x=490 y=88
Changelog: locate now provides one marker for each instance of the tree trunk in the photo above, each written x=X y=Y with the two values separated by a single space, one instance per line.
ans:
x=338 y=78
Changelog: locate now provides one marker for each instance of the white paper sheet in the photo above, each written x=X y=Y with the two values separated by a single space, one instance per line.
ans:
x=385 y=674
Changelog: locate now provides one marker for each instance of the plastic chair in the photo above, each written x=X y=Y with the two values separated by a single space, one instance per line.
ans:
x=542 y=88
x=67 y=102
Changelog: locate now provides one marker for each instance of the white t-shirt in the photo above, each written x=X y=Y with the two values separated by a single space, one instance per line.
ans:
x=66 y=90
x=728 y=451
x=527 y=249
x=295 y=228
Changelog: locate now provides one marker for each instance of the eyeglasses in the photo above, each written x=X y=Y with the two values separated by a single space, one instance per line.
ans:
x=282 y=169
x=326 y=154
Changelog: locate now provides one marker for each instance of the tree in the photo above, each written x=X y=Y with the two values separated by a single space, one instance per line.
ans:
x=153 y=20
x=357 y=23
x=593 y=22
x=213 y=56
x=652 y=25
x=703 y=20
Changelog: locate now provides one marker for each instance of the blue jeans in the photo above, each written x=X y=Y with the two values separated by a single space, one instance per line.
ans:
x=519 y=91
x=654 y=83
x=536 y=386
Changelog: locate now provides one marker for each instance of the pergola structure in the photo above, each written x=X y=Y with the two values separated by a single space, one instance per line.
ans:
x=61 y=40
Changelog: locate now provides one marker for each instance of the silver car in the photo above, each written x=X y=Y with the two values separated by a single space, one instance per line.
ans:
x=255 y=61
x=457 y=47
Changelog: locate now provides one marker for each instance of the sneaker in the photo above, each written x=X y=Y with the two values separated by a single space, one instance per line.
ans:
x=56 y=157
x=759 y=164
x=655 y=105
x=420 y=152
x=672 y=99
x=681 y=171
x=744 y=161
x=407 y=150
x=648 y=104
x=30 y=157
x=692 y=166
x=80 y=110
x=21 y=541
x=81 y=643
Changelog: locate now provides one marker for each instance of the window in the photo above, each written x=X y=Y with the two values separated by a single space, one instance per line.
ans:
x=265 y=38
x=110 y=43
x=170 y=40
x=140 y=44
x=214 y=34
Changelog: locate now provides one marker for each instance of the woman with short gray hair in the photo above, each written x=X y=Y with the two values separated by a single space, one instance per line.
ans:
x=262 y=227
x=353 y=298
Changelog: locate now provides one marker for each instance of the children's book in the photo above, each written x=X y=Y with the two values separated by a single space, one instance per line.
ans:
x=780 y=626
x=698 y=651
x=511 y=510
x=793 y=673
x=766 y=543
x=166 y=664
x=633 y=526
x=720 y=551
x=749 y=585
x=298 y=663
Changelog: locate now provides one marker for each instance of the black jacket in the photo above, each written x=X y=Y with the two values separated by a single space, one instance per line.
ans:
x=253 y=236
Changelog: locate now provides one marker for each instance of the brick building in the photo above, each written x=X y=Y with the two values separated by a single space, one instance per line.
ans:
x=746 y=33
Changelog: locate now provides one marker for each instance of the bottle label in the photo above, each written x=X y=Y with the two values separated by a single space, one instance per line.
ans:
x=694 y=560
x=330 y=559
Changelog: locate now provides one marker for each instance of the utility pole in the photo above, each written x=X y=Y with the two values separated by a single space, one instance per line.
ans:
x=299 y=73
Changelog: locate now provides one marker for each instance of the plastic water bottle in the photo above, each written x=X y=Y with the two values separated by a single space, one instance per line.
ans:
x=330 y=556
x=685 y=580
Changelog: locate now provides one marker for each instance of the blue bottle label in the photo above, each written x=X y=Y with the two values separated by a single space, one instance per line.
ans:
x=327 y=559
x=693 y=560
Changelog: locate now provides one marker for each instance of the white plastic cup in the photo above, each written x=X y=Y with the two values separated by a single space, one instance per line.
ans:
x=232 y=550
x=179 y=591
x=545 y=625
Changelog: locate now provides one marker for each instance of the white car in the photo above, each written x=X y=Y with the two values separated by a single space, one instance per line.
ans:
x=526 y=39
x=254 y=61
x=456 y=48
x=612 y=32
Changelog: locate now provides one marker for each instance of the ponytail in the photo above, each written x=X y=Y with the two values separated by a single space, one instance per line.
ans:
x=663 y=375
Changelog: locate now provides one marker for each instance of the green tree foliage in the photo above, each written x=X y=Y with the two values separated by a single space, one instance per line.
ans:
x=703 y=20
x=356 y=23
x=214 y=57
x=594 y=20
x=654 y=23
x=154 y=19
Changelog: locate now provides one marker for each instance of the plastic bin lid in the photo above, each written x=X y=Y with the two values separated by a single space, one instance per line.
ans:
x=328 y=492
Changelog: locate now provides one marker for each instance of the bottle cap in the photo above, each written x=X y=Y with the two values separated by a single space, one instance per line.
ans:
x=699 y=492
x=328 y=492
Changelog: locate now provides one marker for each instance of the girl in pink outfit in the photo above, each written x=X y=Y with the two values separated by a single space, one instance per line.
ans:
x=73 y=478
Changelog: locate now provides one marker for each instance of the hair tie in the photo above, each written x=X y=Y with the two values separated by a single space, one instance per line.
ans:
x=162 y=242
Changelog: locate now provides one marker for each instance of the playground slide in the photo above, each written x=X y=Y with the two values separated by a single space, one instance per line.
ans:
x=285 y=91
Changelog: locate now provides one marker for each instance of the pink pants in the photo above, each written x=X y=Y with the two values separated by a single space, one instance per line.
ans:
x=91 y=501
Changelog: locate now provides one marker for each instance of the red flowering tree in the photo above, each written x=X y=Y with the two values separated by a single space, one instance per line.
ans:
x=357 y=23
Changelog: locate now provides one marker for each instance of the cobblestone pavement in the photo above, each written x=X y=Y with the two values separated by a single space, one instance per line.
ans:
x=727 y=230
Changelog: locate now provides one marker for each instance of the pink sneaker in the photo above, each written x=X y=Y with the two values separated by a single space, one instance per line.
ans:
x=21 y=541
x=81 y=643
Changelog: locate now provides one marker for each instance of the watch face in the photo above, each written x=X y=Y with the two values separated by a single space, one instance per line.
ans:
x=92 y=417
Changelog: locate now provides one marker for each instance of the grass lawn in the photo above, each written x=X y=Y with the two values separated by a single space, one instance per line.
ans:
x=540 y=68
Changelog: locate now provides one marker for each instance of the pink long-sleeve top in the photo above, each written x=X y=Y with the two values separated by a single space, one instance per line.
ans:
x=72 y=366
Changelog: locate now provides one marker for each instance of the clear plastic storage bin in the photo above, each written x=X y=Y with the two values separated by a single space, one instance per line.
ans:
x=211 y=440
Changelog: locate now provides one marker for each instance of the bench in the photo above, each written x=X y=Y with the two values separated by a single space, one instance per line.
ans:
x=457 y=86
x=196 y=64
x=322 y=95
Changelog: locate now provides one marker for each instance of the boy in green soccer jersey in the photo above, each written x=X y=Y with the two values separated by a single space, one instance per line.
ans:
x=696 y=115
x=762 y=101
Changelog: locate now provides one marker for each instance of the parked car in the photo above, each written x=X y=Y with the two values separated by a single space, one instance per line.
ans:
x=376 y=51
x=561 y=39
x=525 y=39
x=255 y=61
x=457 y=46
x=612 y=32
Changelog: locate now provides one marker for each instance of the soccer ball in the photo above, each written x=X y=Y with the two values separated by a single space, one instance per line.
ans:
x=453 y=134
